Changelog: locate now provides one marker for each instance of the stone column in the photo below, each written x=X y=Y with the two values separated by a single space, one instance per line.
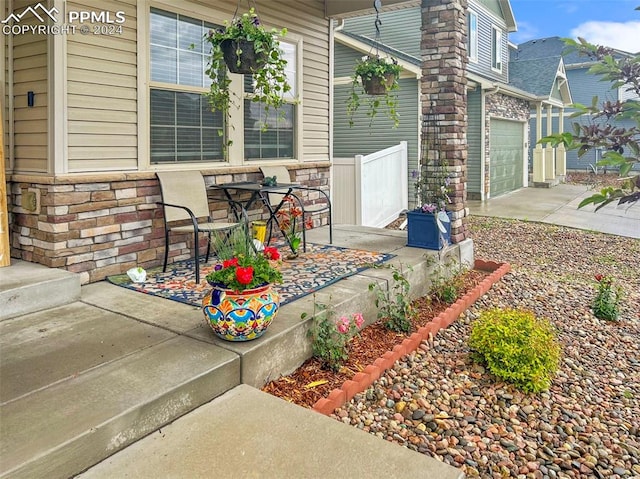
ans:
x=443 y=86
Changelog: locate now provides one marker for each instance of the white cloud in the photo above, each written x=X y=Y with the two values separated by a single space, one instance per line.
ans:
x=623 y=36
x=526 y=31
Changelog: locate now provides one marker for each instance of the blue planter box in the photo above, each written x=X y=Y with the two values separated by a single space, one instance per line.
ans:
x=423 y=231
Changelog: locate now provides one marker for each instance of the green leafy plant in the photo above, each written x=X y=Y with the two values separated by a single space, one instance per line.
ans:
x=447 y=288
x=241 y=266
x=269 y=80
x=516 y=347
x=394 y=306
x=606 y=304
x=331 y=337
x=381 y=74
x=603 y=131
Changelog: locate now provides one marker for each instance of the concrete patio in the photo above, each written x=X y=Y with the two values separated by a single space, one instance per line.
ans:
x=102 y=367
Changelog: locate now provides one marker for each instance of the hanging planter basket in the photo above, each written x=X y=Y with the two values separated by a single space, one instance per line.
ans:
x=241 y=57
x=378 y=85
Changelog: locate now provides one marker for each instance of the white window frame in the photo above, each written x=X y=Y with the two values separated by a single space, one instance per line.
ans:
x=237 y=134
x=234 y=125
x=496 y=48
x=472 y=36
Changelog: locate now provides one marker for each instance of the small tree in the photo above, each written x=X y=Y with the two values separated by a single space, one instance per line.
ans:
x=621 y=145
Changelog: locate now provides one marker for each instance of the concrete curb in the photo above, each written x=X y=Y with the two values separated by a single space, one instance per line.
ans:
x=362 y=380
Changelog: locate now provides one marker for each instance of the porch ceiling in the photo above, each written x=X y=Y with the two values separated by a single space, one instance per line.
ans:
x=352 y=8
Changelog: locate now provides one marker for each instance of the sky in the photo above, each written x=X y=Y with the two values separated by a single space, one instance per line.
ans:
x=613 y=23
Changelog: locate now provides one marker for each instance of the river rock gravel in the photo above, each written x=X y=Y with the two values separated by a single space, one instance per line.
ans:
x=437 y=401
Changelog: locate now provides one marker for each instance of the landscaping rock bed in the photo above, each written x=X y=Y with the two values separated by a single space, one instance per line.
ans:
x=439 y=402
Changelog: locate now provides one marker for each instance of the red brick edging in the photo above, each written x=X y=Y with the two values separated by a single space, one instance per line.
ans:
x=362 y=380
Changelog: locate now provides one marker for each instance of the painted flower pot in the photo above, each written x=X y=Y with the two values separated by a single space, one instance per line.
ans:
x=247 y=62
x=423 y=230
x=240 y=316
x=377 y=85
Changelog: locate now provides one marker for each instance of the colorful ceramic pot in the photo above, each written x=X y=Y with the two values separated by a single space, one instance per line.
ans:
x=240 y=316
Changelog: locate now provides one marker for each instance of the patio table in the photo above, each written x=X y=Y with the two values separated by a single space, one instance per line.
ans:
x=259 y=192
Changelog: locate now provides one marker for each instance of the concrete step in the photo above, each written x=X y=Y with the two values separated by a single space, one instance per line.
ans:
x=29 y=287
x=78 y=383
x=247 y=433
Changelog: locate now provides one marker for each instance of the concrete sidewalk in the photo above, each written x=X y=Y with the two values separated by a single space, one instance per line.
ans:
x=559 y=206
x=248 y=433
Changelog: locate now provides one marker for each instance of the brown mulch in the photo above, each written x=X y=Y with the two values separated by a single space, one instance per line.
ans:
x=306 y=385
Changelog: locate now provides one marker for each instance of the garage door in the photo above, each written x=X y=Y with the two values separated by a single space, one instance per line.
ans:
x=506 y=156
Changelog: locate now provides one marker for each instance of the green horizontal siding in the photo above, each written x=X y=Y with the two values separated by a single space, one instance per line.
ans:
x=361 y=139
x=474 y=140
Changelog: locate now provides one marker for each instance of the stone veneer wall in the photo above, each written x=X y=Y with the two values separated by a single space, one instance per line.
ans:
x=443 y=84
x=503 y=107
x=100 y=225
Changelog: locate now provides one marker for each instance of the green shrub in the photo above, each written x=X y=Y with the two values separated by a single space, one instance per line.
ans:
x=516 y=347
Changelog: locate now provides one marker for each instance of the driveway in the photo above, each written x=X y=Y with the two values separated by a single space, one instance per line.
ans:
x=559 y=206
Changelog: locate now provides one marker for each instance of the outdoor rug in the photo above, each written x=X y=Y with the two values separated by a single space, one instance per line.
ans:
x=319 y=267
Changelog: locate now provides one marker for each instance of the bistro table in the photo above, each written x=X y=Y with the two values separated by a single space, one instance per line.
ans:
x=259 y=192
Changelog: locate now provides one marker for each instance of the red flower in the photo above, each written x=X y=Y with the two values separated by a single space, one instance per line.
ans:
x=244 y=275
x=230 y=262
x=271 y=253
x=599 y=277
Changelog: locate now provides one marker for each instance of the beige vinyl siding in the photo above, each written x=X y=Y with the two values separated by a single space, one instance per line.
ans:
x=30 y=74
x=102 y=94
x=306 y=19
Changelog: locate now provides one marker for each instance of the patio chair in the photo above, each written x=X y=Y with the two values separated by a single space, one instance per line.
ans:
x=282 y=175
x=184 y=198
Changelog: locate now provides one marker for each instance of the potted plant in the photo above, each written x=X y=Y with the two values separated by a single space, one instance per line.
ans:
x=245 y=46
x=377 y=77
x=429 y=225
x=242 y=302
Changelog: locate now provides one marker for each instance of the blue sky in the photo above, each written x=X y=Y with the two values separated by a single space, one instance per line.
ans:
x=614 y=23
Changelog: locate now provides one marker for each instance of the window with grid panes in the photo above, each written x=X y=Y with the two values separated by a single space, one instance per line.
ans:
x=278 y=139
x=183 y=127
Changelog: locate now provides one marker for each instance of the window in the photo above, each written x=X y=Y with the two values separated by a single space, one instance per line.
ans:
x=183 y=127
x=496 y=49
x=278 y=139
x=472 y=35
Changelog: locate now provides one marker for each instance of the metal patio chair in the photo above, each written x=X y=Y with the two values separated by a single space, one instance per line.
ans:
x=184 y=199
x=282 y=175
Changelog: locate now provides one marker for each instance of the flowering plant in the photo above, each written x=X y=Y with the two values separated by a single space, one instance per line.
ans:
x=432 y=188
x=290 y=220
x=331 y=337
x=606 y=303
x=269 y=80
x=242 y=267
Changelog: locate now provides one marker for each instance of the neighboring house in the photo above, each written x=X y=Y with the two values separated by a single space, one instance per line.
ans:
x=498 y=111
x=584 y=86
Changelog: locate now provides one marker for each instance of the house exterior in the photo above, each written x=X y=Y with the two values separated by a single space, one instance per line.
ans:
x=95 y=100
x=92 y=108
x=498 y=108
x=584 y=86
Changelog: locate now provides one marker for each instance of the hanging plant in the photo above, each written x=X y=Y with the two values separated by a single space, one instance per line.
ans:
x=378 y=78
x=245 y=39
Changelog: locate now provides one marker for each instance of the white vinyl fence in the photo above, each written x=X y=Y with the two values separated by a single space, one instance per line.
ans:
x=371 y=190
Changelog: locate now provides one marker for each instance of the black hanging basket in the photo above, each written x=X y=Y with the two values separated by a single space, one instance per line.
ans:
x=377 y=85
x=247 y=62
